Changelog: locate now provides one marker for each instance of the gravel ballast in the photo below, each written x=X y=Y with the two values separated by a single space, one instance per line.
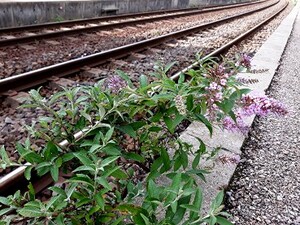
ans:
x=266 y=186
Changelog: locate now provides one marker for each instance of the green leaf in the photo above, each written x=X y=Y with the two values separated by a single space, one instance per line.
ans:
x=82 y=156
x=109 y=134
x=143 y=81
x=162 y=97
x=174 y=206
x=80 y=178
x=52 y=201
x=155 y=129
x=157 y=116
x=181 y=78
x=119 y=174
x=173 y=123
x=166 y=159
x=27 y=172
x=108 y=161
x=31 y=209
x=196 y=161
x=4 y=201
x=100 y=200
x=4 y=211
x=4 y=156
x=67 y=157
x=223 y=221
x=180 y=212
x=54 y=170
x=102 y=181
x=133 y=209
x=86 y=116
x=127 y=129
x=111 y=149
x=43 y=164
x=84 y=168
x=219 y=199
x=95 y=147
x=147 y=222
x=238 y=93
x=212 y=220
x=227 y=105
x=169 y=66
x=190 y=207
x=125 y=77
x=60 y=219
x=31 y=192
x=151 y=189
x=176 y=182
x=137 y=125
x=189 y=102
x=58 y=190
x=118 y=221
x=205 y=122
x=134 y=156
x=50 y=150
x=197 y=203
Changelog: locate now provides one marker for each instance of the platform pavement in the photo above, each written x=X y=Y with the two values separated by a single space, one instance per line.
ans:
x=267 y=59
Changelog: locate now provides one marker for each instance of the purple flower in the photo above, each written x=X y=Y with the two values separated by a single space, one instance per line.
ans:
x=218 y=71
x=245 y=61
x=114 y=84
x=213 y=86
x=229 y=159
x=219 y=96
x=223 y=82
x=261 y=105
x=238 y=126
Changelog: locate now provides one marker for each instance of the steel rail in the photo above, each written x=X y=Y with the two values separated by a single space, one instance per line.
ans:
x=47 y=35
x=39 y=76
x=106 y=18
x=18 y=174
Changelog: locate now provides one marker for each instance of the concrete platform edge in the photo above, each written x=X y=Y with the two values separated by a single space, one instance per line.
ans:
x=268 y=58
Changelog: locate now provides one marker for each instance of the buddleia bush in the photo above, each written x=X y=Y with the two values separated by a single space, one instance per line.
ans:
x=127 y=165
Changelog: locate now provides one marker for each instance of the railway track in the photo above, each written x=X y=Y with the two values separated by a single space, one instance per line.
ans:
x=37 y=77
x=9 y=180
x=14 y=59
x=18 y=35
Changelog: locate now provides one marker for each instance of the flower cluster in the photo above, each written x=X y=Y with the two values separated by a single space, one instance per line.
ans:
x=235 y=126
x=180 y=104
x=214 y=91
x=229 y=159
x=261 y=105
x=245 y=61
x=246 y=80
x=114 y=84
x=253 y=104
